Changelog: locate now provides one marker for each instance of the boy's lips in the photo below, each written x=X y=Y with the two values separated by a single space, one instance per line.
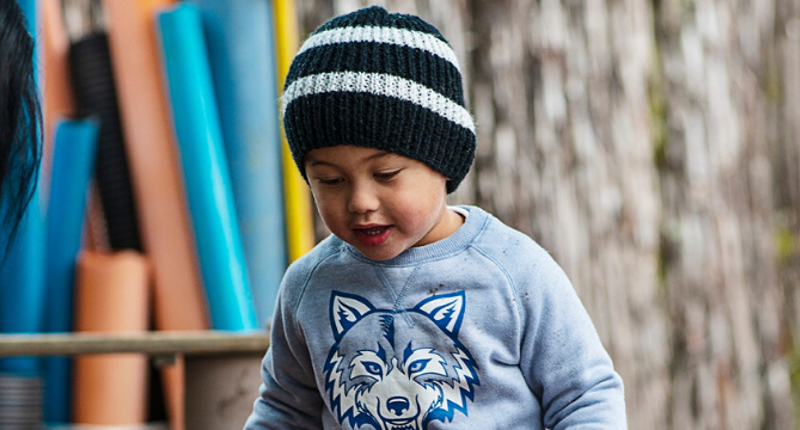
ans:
x=372 y=235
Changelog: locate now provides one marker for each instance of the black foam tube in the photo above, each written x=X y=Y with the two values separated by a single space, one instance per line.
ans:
x=95 y=94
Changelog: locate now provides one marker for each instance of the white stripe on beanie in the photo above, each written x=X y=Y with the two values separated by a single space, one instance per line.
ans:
x=389 y=35
x=378 y=84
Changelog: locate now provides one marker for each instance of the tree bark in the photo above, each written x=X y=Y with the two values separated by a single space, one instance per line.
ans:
x=559 y=90
x=784 y=92
x=727 y=369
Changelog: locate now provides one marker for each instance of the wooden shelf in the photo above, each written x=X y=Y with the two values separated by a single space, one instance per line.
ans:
x=221 y=369
x=150 y=343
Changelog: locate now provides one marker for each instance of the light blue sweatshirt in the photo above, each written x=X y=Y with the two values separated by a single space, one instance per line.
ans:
x=481 y=330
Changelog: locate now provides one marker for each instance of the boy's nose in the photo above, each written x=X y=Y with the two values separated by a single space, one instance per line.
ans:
x=362 y=200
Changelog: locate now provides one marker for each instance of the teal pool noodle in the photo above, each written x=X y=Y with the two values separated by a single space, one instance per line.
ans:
x=22 y=284
x=205 y=169
x=22 y=272
x=243 y=65
x=74 y=148
x=28 y=8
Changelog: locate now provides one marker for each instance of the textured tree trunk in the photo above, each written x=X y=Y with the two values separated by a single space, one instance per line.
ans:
x=647 y=146
x=727 y=369
x=560 y=95
x=784 y=91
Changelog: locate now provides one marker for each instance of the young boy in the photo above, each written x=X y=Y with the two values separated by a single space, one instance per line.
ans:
x=413 y=314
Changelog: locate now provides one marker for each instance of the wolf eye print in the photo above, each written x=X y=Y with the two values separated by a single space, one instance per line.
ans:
x=425 y=362
x=418 y=365
x=367 y=365
x=373 y=368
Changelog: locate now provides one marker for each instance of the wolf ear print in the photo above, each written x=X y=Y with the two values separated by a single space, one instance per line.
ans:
x=346 y=310
x=445 y=310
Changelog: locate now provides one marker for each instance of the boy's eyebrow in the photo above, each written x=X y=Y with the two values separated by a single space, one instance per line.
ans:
x=314 y=162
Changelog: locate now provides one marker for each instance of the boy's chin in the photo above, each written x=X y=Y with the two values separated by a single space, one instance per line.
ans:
x=377 y=253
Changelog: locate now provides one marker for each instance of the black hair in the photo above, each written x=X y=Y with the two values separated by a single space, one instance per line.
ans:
x=20 y=121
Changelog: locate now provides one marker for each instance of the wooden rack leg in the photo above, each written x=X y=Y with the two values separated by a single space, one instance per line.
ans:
x=220 y=390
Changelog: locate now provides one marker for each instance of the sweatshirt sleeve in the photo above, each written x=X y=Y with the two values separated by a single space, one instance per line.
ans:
x=562 y=358
x=288 y=396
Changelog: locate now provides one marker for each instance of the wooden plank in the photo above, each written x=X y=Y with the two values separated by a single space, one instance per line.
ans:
x=153 y=343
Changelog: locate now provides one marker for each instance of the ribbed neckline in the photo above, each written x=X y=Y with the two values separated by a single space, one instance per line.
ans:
x=454 y=243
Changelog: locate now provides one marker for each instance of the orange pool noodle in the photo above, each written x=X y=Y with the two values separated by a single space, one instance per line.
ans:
x=111 y=296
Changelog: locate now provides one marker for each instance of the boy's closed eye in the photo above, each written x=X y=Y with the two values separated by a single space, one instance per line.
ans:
x=329 y=180
x=382 y=176
x=386 y=175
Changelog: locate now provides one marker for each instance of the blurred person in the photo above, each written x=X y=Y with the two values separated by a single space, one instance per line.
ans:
x=20 y=121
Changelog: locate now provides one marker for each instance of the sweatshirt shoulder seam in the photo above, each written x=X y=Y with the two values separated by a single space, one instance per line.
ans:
x=309 y=274
x=509 y=279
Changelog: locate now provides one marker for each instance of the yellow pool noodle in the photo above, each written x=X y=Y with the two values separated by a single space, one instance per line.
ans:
x=299 y=219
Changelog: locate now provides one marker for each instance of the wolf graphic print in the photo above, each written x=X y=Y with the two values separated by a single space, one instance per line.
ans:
x=398 y=369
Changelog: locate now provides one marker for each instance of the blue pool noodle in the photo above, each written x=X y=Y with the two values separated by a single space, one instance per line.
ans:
x=243 y=66
x=28 y=8
x=22 y=284
x=74 y=148
x=22 y=272
x=205 y=169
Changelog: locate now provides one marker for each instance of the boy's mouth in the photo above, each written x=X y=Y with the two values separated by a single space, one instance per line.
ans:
x=372 y=236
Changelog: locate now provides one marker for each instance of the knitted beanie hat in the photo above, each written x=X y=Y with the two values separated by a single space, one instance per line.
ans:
x=380 y=80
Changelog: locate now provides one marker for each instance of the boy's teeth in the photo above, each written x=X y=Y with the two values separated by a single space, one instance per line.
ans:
x=372 y=231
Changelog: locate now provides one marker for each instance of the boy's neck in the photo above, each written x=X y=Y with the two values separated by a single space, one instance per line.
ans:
x=463 y=213
x=450 y=223
x=458 y=218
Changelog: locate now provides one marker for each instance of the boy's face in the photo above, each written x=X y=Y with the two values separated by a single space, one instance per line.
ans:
x=379 y=202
